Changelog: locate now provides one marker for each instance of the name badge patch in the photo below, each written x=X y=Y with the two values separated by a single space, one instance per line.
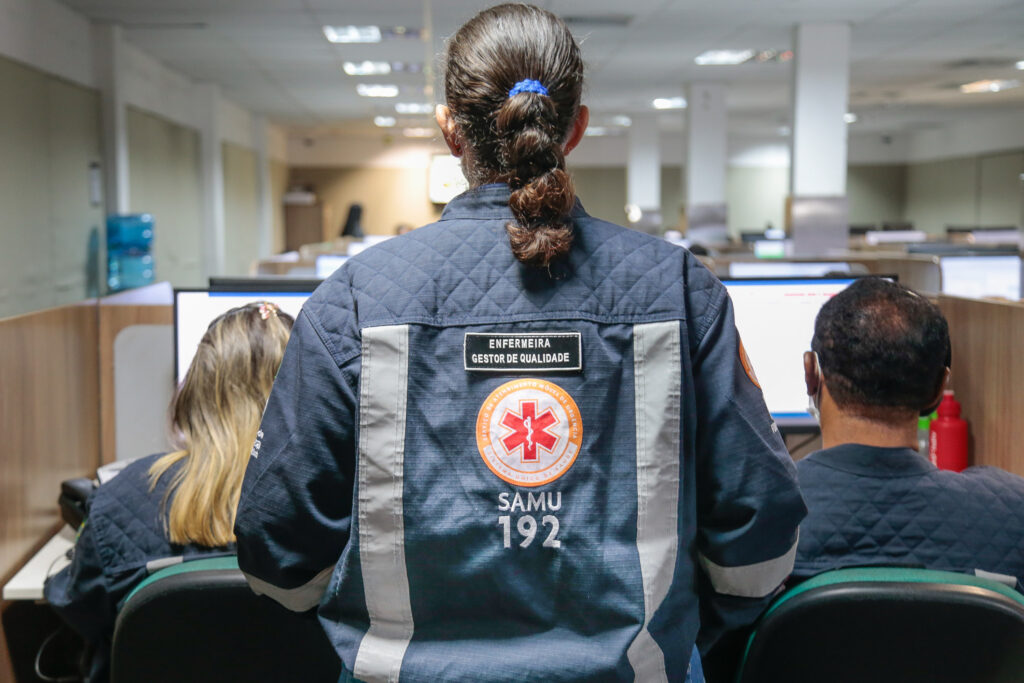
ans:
x=526 y=352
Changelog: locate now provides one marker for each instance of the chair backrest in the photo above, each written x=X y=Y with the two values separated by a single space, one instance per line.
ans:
x=199 y=621
x=890 y=625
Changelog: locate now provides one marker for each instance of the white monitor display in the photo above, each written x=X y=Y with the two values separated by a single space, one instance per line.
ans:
x=785 y=268
x=328 y=263
x=775 y=319
x=194 y=310
x=979 y=276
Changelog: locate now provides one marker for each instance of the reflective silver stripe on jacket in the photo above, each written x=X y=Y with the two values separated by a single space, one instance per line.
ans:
x=756 y=580
x=300 y=599
x=384 y=382
x=657 y=386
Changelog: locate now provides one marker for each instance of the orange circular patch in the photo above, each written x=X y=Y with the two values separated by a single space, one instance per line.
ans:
x=747 y=367
x=529 y=432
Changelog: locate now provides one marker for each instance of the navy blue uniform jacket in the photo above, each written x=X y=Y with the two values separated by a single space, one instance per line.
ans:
x=464 y=502
x=870 y=505
x=121 y=541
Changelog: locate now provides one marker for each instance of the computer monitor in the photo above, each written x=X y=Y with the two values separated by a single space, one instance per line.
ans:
x=195 y=309
x=775 y=319
x=747 y=269
x=328 y=263
x=977 y=276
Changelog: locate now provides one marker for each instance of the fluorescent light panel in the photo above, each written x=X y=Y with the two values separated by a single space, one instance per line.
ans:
x=669 y=103
x=850 y=117
x=376 y=90
x=384 y=121
x=367 y=68
x=623 y=121
x=352 y=34
x=988 y=86
x=418 y=132
x=414 y=108
x=1020 y=65
x=595 y=131
x=723 y=57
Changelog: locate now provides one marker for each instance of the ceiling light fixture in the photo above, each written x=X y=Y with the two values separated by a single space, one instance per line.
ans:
x=352 y=34
x=414 y=108
x=723 y=57
x=850 y=117
x=988 y=86
x=669 y=103
x=418 y=132
x=1020 y=65
x=595 y=131
x=376 y=90
x=384 y=121
x=623 y=121
x=367 y=68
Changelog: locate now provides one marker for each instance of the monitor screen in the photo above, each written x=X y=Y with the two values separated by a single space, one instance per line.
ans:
x=775 y=319
x=328 y=263
x=785 y=268
x=194 y=310
x=979 y=276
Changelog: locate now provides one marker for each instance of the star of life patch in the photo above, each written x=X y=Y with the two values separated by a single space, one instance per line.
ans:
x=523 y=352
x=529 y=432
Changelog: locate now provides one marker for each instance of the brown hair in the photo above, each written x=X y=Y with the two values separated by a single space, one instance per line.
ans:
x=215 y=416
x=519 y=139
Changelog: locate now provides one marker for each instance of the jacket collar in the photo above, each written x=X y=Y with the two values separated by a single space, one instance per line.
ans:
x=872 y=461
x=489 y=202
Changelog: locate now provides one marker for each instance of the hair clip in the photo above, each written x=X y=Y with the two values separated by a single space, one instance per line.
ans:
x=529 y=85
x=268 y=309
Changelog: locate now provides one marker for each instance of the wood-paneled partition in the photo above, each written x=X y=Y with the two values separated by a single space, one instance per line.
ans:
x=49 y=425
x=988 y=377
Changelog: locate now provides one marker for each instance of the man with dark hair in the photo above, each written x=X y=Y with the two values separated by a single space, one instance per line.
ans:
x=880 y=359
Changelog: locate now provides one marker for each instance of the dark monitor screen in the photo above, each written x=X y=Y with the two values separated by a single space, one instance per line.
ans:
x=195 y=309
x=775 y=319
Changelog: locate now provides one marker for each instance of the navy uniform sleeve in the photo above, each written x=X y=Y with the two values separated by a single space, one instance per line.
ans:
x=294 y=513
x=749 y=503
x=81 y=593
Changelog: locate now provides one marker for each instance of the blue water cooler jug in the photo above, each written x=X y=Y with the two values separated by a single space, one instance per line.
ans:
x=129 y=251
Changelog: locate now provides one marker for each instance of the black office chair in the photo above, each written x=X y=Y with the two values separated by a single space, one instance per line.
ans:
x=199 y=621
x=888 y=625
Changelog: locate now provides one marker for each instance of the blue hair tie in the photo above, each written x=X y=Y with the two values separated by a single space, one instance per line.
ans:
x=528 y=85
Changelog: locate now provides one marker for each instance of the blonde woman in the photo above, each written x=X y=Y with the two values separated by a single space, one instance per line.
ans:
x=179 y=504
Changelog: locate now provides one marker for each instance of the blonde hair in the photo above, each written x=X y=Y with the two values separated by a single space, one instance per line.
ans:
x=214 y=417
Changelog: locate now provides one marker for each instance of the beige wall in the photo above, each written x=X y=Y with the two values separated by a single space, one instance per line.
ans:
x=756 y=196
x=164 y=180
x=49 y=134
x=876 y=193
x=389 y=196
x=941 y=193
x=602 y=191
x=241 y=209
x=1000 y=190
x=278 y=186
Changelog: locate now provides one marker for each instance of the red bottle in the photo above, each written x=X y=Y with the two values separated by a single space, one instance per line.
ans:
x=947 y=442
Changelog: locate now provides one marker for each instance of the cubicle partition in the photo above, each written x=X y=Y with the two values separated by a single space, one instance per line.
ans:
x=988 y=376
x=49 y=422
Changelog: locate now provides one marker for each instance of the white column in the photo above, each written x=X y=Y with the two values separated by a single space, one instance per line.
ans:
x=212 y=175
x=821 y=82
x=260 y=130
x=643 y=173
x=706 y=162
x=109 y=61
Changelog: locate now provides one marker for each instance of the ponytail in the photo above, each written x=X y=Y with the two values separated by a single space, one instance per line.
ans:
x=513 y=80
x=542 y=192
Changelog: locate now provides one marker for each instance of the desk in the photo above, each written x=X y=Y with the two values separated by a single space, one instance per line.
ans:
x=27 y=584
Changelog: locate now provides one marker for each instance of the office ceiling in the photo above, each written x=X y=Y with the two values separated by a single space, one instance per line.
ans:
x=908 y=57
